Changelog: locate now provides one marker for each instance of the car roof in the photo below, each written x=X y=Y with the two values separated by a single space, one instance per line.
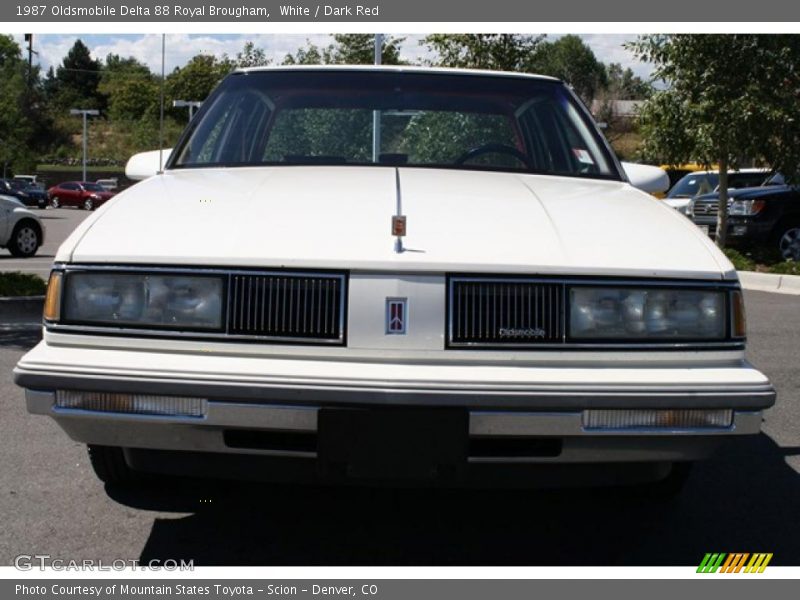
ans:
x=397 y=69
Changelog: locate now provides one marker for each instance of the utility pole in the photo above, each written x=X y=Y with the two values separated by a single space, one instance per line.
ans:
x=85 y=113
x=29 y=40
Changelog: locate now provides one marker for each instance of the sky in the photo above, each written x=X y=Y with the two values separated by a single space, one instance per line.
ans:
x=180 y=48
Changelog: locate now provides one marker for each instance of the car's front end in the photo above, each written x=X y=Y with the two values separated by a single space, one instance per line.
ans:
x=756 y=216
x=392 y=320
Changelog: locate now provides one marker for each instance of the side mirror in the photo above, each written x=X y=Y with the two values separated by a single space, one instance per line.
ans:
x=146 y=164
x=653 y=180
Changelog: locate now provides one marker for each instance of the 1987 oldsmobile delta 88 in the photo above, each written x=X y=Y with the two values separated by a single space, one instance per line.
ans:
x=360 y=274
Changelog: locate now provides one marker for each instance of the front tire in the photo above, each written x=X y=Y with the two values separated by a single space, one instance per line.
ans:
x=55 y=202
x=25 y=240
x=88 y=204
x=788 y=241
x=108 y=463
x=670 y=486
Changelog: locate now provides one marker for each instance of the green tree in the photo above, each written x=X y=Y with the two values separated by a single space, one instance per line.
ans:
x=571 y=60
x=77 y=80
x=727 y=97
x=498 y=52
x=348 y=49
x=624 y=84
x=130 y=90
x=251 y=56
x=195 y=80
x=21 y=118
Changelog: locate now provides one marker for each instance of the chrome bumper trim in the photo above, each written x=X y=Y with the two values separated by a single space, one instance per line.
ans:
x=304 y=419
x=540 y=398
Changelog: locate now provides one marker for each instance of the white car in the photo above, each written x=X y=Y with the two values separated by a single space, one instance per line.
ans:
x=21 y=231
x=368 y=274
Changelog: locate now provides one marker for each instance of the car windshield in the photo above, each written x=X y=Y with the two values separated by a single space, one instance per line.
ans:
x=93 y=187
x=694 y=184
x=342 y=117
x=776 y=179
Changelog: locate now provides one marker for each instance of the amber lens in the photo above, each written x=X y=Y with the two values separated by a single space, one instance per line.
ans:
x=52 y=302
x=739 y=322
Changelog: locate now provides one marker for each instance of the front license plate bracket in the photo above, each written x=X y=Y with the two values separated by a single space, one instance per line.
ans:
x=392 y=443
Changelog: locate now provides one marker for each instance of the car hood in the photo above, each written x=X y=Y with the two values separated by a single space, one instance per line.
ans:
x=749 y=193
x=340 y=217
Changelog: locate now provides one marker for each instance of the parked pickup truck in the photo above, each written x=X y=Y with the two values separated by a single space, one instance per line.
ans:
x=768 y=215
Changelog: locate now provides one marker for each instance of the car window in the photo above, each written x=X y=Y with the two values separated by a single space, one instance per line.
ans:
x=776 y=179
x=93 y=187
x=426 y=120
x=743 y=180
x=694 y=184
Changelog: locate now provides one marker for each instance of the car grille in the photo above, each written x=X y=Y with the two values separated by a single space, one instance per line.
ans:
x=288 y=306
x=704 y=209
x=508 y=312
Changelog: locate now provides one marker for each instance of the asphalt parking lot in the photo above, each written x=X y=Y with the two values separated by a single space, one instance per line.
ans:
x=58 y=223
x=744 y=500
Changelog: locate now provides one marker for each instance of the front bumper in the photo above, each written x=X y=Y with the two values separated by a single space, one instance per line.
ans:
x=249 y=398
x=741 y=230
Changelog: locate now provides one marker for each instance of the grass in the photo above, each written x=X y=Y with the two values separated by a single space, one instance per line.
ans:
x=21 y=284
x=762 y=261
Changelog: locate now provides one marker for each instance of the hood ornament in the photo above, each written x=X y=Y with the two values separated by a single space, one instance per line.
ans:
x=399 y=219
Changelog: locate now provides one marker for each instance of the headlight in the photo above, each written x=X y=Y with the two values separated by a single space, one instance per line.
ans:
x=612 y=314
x=143 y=300
x=745 y=208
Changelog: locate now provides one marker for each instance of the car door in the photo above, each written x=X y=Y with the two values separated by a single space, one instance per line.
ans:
x=5 y=219
x=71 y=194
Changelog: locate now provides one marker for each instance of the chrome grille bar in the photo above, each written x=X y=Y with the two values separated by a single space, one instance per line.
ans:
x=292 y=306
x=512 y=312
x=706 y=208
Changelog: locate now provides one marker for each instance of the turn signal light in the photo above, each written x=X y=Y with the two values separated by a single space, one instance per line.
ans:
x=52 y=301
x=621 y=419
x=140 y=404
x=738 y=318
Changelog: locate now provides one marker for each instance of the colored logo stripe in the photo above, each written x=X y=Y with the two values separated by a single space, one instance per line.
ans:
x=734 y=562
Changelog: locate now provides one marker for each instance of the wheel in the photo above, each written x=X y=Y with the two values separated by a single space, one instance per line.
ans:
x=25 y=240
x=671 y=485
x=108 y=463
x=55 y=202
x=88 y=204
x=788 y=241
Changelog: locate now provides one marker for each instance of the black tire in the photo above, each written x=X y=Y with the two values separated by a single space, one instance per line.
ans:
x=787 y=240
x=671 y=485
x=25 y=239
x=88 y=204
x=109 y=465
x=55 y=202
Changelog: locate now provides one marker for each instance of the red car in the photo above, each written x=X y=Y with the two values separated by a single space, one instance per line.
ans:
x=83 y=194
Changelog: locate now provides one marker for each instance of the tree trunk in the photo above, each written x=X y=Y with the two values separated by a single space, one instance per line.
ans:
x=722 y=213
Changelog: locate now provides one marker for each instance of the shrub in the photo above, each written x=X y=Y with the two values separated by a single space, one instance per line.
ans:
x=21 y=284
x=739 y=260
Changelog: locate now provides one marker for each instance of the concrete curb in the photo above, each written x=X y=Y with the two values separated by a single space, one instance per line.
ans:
x=770 y=282
x=21 y=308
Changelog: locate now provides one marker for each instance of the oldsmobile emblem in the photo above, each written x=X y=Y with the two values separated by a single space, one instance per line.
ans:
x=396 y=316
x=528 y=332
